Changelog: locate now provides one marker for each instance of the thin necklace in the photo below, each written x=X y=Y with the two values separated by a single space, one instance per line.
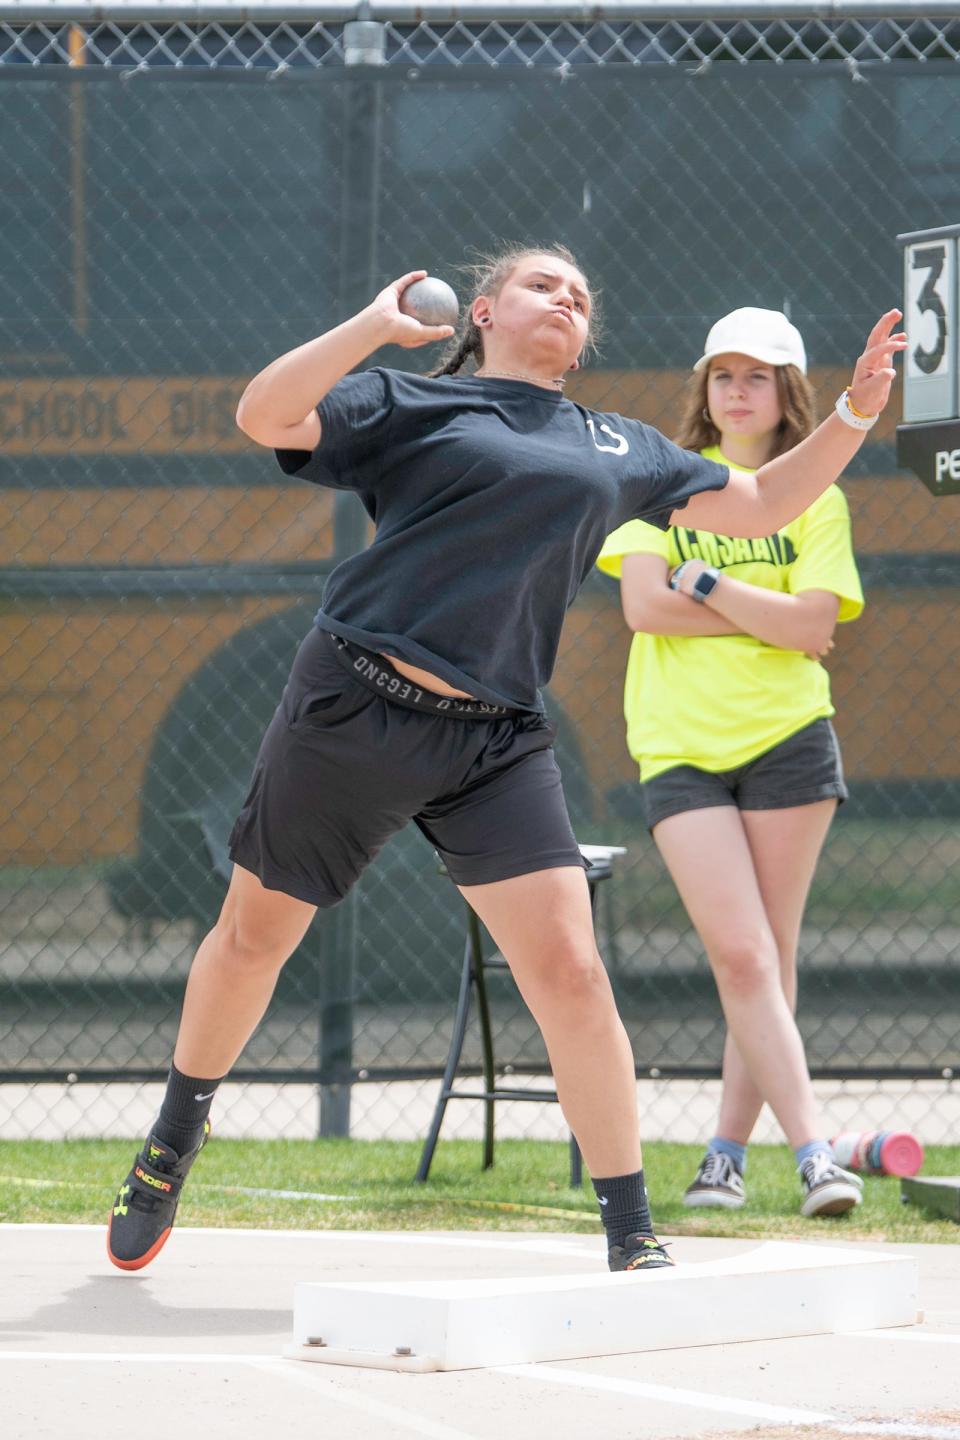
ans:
x=557 y=384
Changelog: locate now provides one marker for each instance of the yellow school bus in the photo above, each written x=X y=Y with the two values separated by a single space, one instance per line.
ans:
x=117 y=595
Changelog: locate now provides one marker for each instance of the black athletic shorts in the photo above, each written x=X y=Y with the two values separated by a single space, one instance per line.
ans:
x=355 y=750
x=804 y=768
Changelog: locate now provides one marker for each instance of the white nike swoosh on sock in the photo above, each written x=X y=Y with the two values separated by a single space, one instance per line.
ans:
x=205 y=1097
x=602 y=1198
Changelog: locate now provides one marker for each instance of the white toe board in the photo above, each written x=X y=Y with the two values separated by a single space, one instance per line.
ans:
x=773 y=1292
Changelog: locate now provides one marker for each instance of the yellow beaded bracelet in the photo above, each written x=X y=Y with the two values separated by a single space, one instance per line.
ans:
x=859 y=413
x=852 y=417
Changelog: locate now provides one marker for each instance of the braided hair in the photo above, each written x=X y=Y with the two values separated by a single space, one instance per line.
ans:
x=487 y=276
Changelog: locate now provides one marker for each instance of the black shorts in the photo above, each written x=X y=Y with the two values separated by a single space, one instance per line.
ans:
x=804 y=768
x=355 y=750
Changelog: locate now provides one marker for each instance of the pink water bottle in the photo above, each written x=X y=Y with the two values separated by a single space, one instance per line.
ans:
x=878 y=1152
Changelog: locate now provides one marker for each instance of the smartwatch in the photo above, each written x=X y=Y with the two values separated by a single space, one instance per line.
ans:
x=705 y=584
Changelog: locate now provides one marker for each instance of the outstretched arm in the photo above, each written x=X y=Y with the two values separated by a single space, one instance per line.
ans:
x=760 y=504
x=278 y=407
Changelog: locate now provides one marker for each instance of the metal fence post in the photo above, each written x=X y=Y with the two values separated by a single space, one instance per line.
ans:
x=364 y=46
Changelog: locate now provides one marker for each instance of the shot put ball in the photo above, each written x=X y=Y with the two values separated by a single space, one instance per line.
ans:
x=431 y=301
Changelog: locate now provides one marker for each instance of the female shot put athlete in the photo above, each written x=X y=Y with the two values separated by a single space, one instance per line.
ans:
x=417 y=694
x=728 y=718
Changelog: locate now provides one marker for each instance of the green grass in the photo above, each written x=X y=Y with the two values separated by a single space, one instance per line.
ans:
x=75 y=1182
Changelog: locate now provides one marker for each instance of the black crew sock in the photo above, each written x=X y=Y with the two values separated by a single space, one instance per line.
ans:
x=184 y=1111
x=623 y=1207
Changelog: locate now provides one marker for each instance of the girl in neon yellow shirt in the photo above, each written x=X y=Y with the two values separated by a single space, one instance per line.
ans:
x=728 y=716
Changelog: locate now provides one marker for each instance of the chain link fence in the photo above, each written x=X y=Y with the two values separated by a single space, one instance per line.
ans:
x=184 y=201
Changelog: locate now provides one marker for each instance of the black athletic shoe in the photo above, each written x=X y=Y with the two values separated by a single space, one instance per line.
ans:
x=639 y=1252
x=146 y=1203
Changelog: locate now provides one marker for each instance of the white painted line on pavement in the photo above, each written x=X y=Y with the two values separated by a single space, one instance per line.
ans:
x=306 y=1375
x=519 y=1245
x=700 y=1400
x=923 y=1337
x=134 y=1357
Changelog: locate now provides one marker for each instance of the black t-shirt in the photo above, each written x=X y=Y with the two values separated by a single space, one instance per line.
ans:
x=491 y=499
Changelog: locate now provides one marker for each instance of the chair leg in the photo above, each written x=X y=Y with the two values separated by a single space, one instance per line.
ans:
x=453 y=1060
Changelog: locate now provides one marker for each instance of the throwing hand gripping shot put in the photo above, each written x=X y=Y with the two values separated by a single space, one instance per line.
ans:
x=417 y=694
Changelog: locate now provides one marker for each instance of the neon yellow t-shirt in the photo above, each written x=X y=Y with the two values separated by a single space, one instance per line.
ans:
x=718 y=701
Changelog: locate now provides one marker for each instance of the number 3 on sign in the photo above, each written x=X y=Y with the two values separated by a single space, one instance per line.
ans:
x=930 y=288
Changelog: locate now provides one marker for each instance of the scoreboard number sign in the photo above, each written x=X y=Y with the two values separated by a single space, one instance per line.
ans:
x=930 y=316
x=928 y=441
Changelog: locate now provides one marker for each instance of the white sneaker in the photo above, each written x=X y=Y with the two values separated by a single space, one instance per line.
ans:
x=718 y=1184
x=828 y=1190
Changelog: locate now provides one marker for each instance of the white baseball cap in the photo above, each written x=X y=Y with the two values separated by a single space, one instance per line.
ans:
x=764 y=335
